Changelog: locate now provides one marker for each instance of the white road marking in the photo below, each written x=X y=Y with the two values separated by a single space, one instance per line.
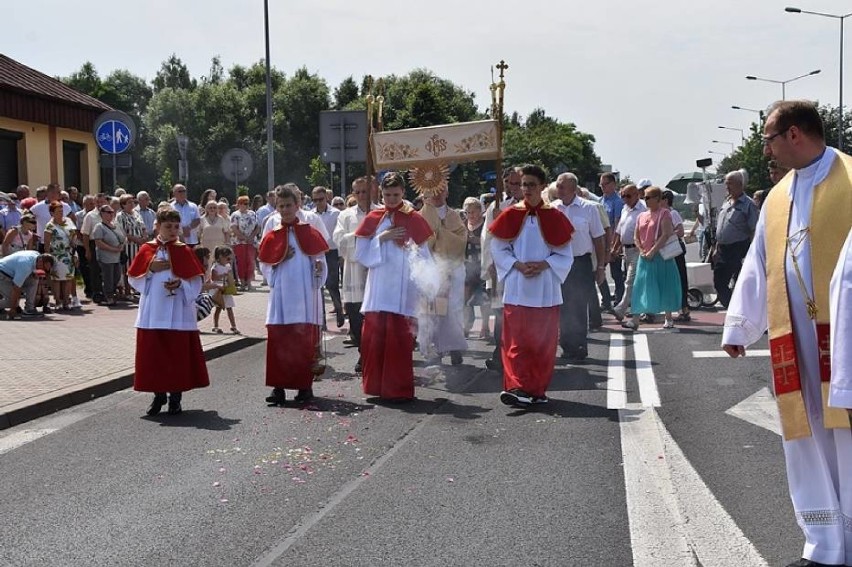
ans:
x=674 y=518
x=616 y=380
x=18 y=437
x=648 y=392
x=722 y=354
x=759 y=409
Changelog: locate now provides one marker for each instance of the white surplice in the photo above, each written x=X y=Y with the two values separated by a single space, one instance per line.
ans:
x=819 y=464
x=273 y=221
x=541 y=290
x=354 y=274
x=491 y=213
x=841 y=329
x=158 y=309
x=294 y=290
x=390 y=286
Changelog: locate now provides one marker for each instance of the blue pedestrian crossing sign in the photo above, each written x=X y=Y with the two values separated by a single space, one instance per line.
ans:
x=113 y=137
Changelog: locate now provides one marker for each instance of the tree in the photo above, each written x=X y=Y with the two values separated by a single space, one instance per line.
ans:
x=345 y=94
x=173 y=74
x=319 y=172
x=545 y=141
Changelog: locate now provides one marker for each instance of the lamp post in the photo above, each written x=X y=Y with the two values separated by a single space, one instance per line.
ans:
x=717 y=153
x=740 y=130
x=759 y=113
x=840 y=107
x=270 y=154
x=783 y=83
x=724 y=142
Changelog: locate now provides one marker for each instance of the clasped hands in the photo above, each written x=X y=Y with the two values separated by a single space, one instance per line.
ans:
x=393 y=233
x=531 y=269
x=159 y=266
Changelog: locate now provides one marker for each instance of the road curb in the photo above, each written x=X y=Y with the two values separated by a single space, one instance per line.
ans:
x=79 y=394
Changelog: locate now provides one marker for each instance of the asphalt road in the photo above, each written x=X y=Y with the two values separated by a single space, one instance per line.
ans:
x=454 y=479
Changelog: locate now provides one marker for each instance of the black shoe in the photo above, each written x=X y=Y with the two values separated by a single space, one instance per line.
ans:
x=807 y=563
x=278 y=397
x=647 y=318
x=516 y=397
x=341 y=320
x=304 y=396
x=349 y=341
x=174 y=403
x=46 y=310
x=157 y=404
x=358 y=367
x=456 y=358
x=540 y=399
x=492 y=364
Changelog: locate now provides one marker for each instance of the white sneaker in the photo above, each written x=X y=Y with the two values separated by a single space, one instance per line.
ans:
x=669 y=324
x=75 y=303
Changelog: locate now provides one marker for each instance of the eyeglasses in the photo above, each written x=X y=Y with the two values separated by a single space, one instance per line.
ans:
x=529 y=184
x=768 y=139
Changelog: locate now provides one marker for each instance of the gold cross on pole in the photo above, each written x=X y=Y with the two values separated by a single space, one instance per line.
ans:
x=502 y=66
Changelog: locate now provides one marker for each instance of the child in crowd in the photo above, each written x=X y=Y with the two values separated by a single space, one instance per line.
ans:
x=222 y=275
x=169 y=357
x=292 y=259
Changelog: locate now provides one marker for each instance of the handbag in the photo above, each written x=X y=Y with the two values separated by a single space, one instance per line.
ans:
x=671 y=249
x=203 y=306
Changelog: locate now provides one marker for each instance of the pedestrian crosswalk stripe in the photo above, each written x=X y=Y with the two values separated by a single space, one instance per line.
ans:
x=648 y=392
x=616 y=381
x=722 y=354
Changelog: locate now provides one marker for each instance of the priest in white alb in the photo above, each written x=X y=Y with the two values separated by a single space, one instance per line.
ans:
x=784 y=288
x=354 y=274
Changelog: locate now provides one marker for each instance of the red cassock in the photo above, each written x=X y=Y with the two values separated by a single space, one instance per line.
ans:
x=168 y=360
x=291 y=348
x=387 y=341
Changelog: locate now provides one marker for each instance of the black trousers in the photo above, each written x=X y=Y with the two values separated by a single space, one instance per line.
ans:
x=96 y=284
x=332 y=282
x=680 y=262
x=85 y=271
x=727 y=268
x=616 y=272
x=356 y=321
x=578 y=290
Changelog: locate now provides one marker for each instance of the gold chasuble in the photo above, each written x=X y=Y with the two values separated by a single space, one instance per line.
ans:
x=449 y=240
x=831 y=218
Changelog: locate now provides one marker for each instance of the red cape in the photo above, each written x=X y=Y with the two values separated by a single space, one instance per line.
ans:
x=415 y=226
x=555 y=227
x=185 y=264
x=273 y=247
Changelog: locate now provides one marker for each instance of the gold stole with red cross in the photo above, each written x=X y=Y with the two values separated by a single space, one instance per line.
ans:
x=831 y=218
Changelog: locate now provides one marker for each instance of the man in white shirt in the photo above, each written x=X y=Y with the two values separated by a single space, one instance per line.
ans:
x=41 y=211
x=189 y=216
x=354 y=274
x=328 y=215
x=94 y=289
x=266 y=209
x=146 y=213
x=579 y=288
x=624 y=243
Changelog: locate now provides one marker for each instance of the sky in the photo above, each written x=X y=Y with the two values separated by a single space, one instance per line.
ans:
x=650 y=80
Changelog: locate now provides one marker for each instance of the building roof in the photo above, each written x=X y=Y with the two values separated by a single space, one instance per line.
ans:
x=18 y=77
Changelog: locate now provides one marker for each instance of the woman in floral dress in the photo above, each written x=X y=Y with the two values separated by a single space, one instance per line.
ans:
x=60 y=240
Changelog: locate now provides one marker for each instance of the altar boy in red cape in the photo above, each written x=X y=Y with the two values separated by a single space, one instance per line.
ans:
x=169 y=357
x=292 y=259
x=388 y=241
x=531 y=248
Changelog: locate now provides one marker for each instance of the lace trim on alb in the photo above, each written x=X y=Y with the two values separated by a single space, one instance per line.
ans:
x=825 y=518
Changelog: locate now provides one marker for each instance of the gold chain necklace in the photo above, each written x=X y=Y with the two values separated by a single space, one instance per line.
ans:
x=794 y=243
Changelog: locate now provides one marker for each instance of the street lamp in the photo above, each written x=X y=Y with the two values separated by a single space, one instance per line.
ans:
x=783 y=83
x=758 y=112
x=724 y=142
x=717 y=153
x=270 y=154
x=840 y=108
x=740 y=130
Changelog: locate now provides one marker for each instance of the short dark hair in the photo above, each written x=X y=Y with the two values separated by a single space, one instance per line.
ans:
x=608 y=176
x=168 y=215
x=202 y=253
x=535 y=171
x=47 y=259
x=221 y=251
x=668 y=197
x=803 y=114
x=393 y=179
x=54 y=205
